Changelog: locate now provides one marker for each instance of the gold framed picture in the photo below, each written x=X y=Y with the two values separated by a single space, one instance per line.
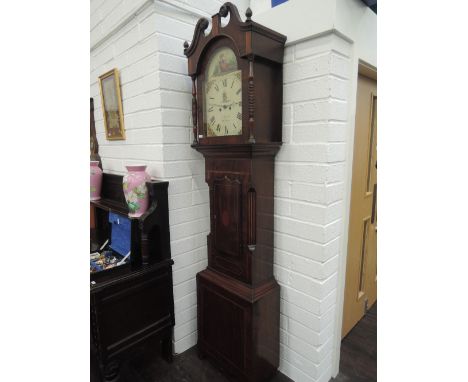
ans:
x=111 y=100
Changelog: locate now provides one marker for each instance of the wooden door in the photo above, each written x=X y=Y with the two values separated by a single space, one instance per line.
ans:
x=361 y=264
x=227 y=252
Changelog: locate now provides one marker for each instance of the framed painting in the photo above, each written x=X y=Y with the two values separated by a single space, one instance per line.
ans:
x=111 y=101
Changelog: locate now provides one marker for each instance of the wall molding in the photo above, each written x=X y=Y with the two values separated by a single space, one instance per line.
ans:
x=120 y=25
x=184 y=8
x=130 y=16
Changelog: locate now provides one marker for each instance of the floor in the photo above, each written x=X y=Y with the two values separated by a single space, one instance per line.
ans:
x=358 y=362
x=186 y=367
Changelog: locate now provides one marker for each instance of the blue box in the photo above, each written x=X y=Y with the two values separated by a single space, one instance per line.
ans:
x=120 y=233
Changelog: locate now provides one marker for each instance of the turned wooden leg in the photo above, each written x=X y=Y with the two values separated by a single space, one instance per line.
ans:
x=167 y=349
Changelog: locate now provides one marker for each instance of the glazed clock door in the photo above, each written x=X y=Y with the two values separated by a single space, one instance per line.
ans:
x=227 y=226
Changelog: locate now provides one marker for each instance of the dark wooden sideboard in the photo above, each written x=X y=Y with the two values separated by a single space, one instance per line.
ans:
x=132 y=305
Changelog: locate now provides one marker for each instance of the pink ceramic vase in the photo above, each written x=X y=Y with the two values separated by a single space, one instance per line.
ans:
x=135 y=190
x=95 y=180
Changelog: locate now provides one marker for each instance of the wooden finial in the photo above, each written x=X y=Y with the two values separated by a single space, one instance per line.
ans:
x=204 y=23
x=186 y=45
x=248 y=13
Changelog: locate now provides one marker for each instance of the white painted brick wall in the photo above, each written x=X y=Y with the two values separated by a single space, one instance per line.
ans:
x=309 y=206
x=156 y=92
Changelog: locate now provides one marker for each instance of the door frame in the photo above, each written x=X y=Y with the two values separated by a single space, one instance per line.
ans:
x=370 y=71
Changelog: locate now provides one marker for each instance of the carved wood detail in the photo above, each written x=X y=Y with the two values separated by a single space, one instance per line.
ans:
x=194 y=110
x=251 y=101
x=251 y=219
x=198 y=34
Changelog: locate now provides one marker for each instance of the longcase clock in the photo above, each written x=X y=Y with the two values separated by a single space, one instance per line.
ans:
x=236 y=73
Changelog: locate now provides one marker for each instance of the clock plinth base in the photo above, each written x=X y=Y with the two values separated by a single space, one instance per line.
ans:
x=238 y=325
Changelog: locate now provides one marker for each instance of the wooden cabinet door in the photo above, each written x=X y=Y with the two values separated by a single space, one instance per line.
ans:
x=361 y=263
x=228 y=204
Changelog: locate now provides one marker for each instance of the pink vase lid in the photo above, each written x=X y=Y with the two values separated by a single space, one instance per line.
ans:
x=94 y=163
x=136 y=167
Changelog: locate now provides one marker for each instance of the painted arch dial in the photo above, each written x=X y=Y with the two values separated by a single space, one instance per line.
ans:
x=223 y=95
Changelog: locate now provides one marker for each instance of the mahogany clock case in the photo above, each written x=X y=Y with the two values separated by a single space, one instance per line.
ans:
x=237 y=295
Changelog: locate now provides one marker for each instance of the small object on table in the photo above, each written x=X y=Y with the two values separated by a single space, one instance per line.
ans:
x=104 y=245
x=94 y=256
x=125 y=258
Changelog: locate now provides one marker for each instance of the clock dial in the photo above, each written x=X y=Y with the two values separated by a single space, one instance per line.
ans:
x=223 y=105
x=223 y=95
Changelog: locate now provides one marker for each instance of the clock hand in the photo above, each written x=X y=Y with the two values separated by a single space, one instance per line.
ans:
x=224 y=106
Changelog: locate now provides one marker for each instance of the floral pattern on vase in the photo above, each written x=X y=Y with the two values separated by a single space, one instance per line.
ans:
x=95 y=181
x=135 y=190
